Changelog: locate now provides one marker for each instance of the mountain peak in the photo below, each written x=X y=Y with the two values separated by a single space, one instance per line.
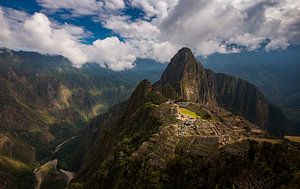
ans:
x=138 y=96
x=183 y=61
x=185 y=51
x=187 y=77
x=184 y=57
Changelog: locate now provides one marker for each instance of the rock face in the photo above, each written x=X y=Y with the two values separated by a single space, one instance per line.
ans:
x=240 y=97
x=186 y=79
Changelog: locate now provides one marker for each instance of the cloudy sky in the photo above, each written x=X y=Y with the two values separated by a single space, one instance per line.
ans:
x=114 y=33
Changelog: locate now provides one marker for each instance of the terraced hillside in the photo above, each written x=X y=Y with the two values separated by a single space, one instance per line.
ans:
x=199 y=136
x=160 y=146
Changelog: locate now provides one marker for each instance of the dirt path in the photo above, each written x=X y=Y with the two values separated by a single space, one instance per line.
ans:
x=63 y=143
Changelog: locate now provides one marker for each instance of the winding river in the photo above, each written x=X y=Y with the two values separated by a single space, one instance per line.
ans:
x=41 y=171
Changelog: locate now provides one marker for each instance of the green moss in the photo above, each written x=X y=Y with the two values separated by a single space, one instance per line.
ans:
x=188 y=113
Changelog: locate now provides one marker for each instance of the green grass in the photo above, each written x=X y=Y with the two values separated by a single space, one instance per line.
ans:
x=188 y=113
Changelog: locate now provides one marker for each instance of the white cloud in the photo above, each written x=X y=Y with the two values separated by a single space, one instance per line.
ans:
x=4 y=30
x=279 y=43
x=78 y=7
x=76 y=31
x=155 y=8
x=247 y=39
x=212 y=46
x=163 y=51
x=82 y=7
x=205 y=26
x=112 y=53
x=142 y=35
x=138 y=29
x=37 y=33
x=114 y=4
x=15 y=17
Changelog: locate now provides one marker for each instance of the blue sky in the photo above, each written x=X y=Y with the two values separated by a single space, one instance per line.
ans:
x=115 y=33
x=62 y=16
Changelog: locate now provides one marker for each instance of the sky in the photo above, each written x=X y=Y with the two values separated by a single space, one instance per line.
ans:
x=114 y=33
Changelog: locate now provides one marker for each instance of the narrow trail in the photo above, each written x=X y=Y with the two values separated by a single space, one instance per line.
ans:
x=58 y=147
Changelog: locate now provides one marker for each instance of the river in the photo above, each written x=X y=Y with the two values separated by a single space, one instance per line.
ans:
x=41 y=171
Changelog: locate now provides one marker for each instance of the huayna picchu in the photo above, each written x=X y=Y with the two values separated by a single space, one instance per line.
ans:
x=191 y=129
